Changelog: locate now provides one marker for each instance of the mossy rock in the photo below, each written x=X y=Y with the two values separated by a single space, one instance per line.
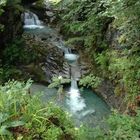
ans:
x=36 y=73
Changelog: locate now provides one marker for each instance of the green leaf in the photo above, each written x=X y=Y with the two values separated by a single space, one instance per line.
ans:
x=3 y=117
x=4 y=131
x=16 y=123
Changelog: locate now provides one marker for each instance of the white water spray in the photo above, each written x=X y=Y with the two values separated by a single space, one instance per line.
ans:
x=75 y=101
x=31 y=21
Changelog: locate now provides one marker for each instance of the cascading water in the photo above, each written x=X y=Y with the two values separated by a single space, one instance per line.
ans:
x=70 y=57
x=85 y=106
x=75 y=101
x=67 y=50
x=31 y=21
x=74 y=85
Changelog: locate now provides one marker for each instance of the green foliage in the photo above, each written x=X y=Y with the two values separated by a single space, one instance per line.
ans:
x=15 y=53
x=127 y=18
x=2 y=4
x=90 y=81
x=15 y=4
x=120 y=127
x=10 y=106
x=57 y=81
x=85 y=133
x=9 y=72
x=39 y=4
x=25 y=116
x=79 y=18
x=102 y=60
x=124 y=71
x=123 y=127
x=87 y=22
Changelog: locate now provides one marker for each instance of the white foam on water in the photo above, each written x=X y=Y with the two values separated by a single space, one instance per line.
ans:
x=75 y=101
x=71 y=57
x=31 y=21
x=88 y=112
x=33 y=27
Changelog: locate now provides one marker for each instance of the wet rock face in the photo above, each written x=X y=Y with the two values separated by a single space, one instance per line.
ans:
x=54 y=62
x=112 y=35
x=50 y=62
x=51 y=48
x=106 y=91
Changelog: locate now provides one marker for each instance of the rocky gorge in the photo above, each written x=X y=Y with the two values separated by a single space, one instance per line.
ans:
x=46 y=44
x=69 y=69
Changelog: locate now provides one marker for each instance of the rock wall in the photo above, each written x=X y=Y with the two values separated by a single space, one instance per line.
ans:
x=50 y=62
x=106 y=91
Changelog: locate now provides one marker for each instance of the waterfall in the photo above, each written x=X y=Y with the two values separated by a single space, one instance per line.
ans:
x=71 y=57
x=74 y=84
x=31 y=21
x=67 y=50
x=75 y=101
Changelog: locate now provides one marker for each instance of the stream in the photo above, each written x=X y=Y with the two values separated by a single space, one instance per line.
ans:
x=84 y=106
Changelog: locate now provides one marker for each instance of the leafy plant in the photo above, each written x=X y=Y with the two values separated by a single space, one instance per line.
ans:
x=123 y=127
x=90 y=81
x=57 y=81
x=15 y=53
x=25 y=116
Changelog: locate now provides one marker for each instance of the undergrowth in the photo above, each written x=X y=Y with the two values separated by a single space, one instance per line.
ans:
x=23 y=116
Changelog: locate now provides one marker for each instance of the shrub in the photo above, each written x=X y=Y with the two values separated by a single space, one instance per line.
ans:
x=90 y=81
x=24 y=116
